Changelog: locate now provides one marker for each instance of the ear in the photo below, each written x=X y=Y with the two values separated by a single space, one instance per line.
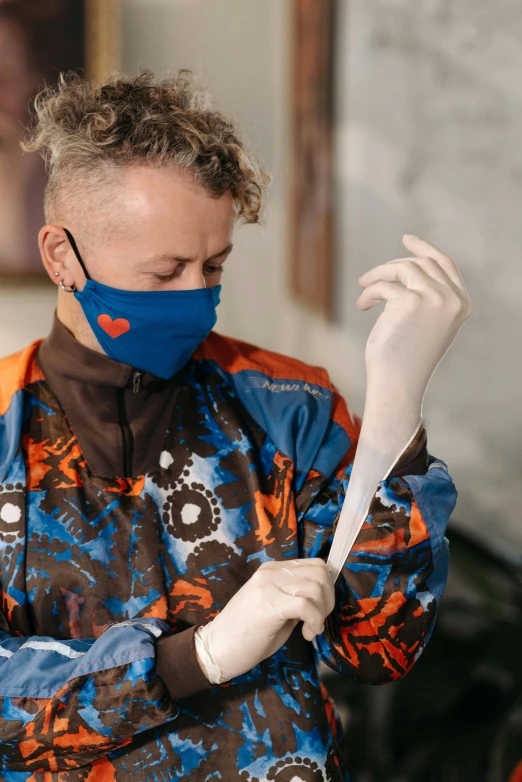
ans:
x=57 y=255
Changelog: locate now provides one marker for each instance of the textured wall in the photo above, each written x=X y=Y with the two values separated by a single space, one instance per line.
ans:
x=430 y=142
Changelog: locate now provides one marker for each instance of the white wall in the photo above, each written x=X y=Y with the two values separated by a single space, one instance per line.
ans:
x=26 y=313
x=428 y=141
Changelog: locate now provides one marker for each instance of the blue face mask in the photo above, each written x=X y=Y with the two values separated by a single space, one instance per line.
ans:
x=153 y=331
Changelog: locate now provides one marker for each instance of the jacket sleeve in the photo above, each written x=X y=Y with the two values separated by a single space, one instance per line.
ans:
x=391 y=583
x=64 y=704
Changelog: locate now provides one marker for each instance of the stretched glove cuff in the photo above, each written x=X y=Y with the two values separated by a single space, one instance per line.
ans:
x=203 y=640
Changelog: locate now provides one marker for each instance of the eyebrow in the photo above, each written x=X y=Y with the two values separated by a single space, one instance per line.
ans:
x=182 y=259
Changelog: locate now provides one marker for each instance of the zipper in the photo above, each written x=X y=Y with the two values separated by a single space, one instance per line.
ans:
x=136 y=380
x=126 y=434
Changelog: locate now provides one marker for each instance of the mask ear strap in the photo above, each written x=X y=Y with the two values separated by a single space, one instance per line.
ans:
x=77 y=252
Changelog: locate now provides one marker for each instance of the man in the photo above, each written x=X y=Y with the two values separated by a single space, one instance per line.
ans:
x=165 y=515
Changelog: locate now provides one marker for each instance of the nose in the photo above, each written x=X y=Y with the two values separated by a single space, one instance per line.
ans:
x=193 y=278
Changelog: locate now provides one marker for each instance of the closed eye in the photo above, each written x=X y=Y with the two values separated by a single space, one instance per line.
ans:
x=209 y=270
x=171 y=276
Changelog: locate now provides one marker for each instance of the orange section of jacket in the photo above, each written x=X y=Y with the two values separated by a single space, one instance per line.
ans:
x=16 y=372
x=233 y=356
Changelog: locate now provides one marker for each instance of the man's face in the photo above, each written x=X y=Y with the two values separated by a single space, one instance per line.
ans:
x=162 y=233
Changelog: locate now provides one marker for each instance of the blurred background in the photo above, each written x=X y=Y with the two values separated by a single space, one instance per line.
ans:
x=376 y=118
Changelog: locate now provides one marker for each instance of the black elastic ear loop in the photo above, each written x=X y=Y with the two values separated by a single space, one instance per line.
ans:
x=77 y=252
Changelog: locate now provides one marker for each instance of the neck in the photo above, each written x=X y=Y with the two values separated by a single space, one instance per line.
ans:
x=71 y=315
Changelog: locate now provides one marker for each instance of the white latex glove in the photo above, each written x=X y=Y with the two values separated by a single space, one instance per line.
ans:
x=426 y=304
x=371 y=466
x=260 y=617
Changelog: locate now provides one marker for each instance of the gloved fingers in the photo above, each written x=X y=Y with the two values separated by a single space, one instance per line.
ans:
x=276 y=608
x=300 y=608
x=437 y=272
x=309 y=634
x=325 y=580
x=276 y=564
x=379 y=291
x=312 y=591
x=420 y=247
x=316 y=574
x=430 y=266
x=313 y=570
x=404 y=271
x=437 y=284
x=420 y=290
x=320 y=576
x=293 y=575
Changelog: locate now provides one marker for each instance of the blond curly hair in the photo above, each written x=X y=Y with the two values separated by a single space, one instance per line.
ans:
x=85 y=131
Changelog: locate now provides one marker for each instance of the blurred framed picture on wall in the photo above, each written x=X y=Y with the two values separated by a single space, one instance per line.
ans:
x=39 y=39
x=311 y=241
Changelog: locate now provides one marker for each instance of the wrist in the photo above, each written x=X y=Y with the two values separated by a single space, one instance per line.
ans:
x=199 y=656
x=395 y=423
x=391 y=406
x=205 y=657
x=396 y=394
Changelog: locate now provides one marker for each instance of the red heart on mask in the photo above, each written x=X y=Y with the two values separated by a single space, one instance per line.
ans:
x=114 y=328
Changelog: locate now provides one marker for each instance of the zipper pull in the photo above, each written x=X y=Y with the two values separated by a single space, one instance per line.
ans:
x=136 y=380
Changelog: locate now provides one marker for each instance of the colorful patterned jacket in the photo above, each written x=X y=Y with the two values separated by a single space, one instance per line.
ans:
x=132 y=509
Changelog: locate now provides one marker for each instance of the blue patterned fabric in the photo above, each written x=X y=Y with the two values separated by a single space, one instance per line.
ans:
x=256 y=461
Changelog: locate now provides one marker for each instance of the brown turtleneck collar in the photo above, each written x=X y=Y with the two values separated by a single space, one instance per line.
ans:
x=119 y=418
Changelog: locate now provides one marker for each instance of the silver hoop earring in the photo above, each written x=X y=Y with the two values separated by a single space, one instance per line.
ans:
x=67 y=290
